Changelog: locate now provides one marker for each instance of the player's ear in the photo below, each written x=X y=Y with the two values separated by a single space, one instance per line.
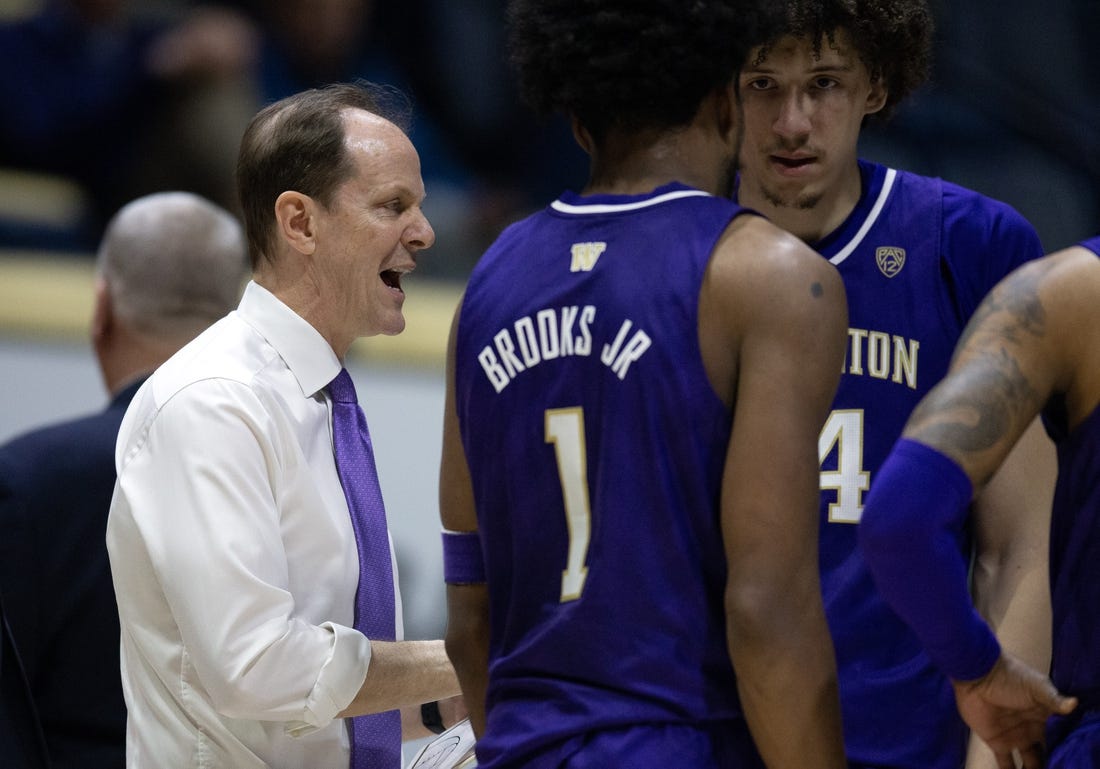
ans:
x=876 y=97
x=727 y=102
x=581 y=135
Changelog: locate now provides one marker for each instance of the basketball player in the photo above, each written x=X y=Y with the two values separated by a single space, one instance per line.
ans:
x=1033 y=347
x=636 y=380
x=916 y=255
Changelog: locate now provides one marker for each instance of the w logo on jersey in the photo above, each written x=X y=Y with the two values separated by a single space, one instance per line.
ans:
x=890 y=259
x=585 y=256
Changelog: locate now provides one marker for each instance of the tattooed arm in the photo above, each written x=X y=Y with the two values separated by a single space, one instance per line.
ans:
x=1031 y=338
x=999 y=380
x=1034 y=335
x=977 y=420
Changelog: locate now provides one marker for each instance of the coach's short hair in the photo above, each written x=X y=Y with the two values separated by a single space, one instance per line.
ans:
x=297 y=144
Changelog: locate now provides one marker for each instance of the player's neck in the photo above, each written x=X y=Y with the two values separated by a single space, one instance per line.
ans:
x=641 y=163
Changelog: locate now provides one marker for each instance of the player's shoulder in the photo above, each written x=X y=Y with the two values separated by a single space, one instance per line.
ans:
x=973 y=215
x=762 y=278
x=1091 y=244
x=1060 y=291
x=965 y=207
x=754 y=251
x=1056 y=295
x=1071 y=271
x=983 y=237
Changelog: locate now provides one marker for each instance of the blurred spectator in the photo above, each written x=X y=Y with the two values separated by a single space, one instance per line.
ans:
x=126 y=101
x=127 y=98
x=311 y=43
x=457 y=61
x=170 y=264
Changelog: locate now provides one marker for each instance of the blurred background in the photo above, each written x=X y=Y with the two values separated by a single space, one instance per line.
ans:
x=105 y=100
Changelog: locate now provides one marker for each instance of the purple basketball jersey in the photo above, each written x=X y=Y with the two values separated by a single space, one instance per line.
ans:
x=596 y=447
x=917 y=255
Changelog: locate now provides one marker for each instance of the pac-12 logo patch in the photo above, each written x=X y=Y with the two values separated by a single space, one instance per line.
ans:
x=890 y=259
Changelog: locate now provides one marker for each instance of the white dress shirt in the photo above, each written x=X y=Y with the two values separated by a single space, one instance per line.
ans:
x=233 y=555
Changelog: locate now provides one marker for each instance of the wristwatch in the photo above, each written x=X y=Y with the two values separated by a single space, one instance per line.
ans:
x=431 y=717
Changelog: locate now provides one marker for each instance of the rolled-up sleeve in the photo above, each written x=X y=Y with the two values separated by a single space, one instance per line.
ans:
x=340 y=680
x=216 y=492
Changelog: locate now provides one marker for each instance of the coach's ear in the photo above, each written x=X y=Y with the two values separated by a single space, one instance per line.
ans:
x=296 y=221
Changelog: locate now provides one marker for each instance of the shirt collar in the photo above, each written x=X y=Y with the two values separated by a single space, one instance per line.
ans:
x=308 y=356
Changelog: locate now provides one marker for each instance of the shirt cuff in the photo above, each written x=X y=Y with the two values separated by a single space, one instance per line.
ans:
x=340 y=679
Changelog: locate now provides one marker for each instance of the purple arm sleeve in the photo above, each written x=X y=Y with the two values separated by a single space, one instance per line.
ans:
x=909 y=536
x=463 y=563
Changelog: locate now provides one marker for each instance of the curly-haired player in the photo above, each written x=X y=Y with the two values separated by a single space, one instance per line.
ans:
x=637 y=376
x=916 y=255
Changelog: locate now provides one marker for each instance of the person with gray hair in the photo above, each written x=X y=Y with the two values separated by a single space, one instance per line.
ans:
x=168 y=266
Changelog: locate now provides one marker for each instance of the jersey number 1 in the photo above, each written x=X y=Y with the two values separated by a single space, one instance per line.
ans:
x=565 y=429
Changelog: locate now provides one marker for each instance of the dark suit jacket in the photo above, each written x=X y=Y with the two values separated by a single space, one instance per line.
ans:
x=21 y=742
x=55 y=492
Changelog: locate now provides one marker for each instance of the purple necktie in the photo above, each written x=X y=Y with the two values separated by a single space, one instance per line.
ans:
x=375 y=739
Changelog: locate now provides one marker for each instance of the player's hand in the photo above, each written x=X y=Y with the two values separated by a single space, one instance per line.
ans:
x=1008 y=709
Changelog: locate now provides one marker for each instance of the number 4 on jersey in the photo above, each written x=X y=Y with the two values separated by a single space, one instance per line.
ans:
x=844 y=429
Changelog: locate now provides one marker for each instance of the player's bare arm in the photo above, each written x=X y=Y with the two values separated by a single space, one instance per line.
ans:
x=1012 y=520
x=1010 y=582
x=985 y=421
x=1018 y=351
x=467 y=635
x=773 y=321
x=998 y=381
